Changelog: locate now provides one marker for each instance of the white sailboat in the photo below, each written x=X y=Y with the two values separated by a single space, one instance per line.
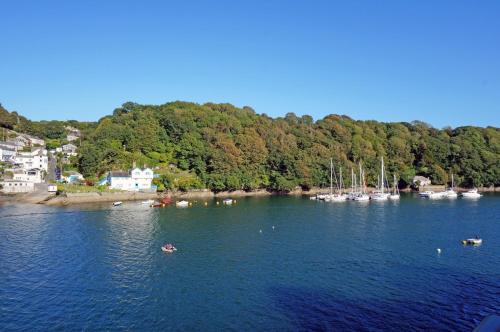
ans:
x=450 y=192
x=339 y=196
x=395 y=190
x=380 y=194
x=361 y=196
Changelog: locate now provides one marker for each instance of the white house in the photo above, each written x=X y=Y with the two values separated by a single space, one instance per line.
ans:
x=135 y=180
x=16 y=186
x=37 y=158
x=71 y=137
x=7 y=155
x=34 y=175
x=69 y=149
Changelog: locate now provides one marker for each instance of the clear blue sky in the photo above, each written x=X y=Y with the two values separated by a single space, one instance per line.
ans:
x=436 y=61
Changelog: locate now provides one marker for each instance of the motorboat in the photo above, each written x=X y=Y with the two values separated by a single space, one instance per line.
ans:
x=438 y=195
x=168 y=248
x=473 y=242
x=471 y=194
x=426 y=194
x=394 y=197
x=117 y=203
x=182 y=203
x=227 y=201
x=148 y=202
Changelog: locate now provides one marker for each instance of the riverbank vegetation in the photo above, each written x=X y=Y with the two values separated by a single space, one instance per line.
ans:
x=222 y=147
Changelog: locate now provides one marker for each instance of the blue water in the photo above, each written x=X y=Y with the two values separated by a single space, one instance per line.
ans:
x=325 y=266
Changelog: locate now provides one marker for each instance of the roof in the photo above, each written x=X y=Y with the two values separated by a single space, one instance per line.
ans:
x=119 y=174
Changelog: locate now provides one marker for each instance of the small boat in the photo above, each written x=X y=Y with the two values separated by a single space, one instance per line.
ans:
x=166 y=200
x=117 y=203
x=313 y=198
x=168 y=248
x=157 y=205
x=182 y=204
x=438 y=195
x=148 y=202
x=426 y=194
x=227 y=201
x=395 y=190
x=450 y=192
x=471 y=194
x=472 y=242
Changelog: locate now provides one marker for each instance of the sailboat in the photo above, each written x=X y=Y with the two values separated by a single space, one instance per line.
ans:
x=380 y=194
x=361 y=196
x=395 y=190
x=450 y=192
x=339 y=196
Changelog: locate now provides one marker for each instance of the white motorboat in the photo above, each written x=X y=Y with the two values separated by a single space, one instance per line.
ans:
x=148 y=202
x=471 y=194
x=438 y=195
x=182 y=204
x=474 y=242
x=227 y=201
x=117 y=203
x=426 y=194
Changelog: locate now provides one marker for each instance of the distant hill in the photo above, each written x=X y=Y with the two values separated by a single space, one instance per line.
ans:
x=223 y=147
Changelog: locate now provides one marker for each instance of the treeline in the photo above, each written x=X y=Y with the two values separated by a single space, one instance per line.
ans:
x=222 y=147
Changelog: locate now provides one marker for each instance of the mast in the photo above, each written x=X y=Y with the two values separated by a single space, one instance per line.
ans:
x=331 y=176
x=341 y=184
x=360 y=179
x=382 y=175
x=452 y=182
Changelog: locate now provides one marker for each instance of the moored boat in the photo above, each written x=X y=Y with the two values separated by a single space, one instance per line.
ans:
x=471 y=194
x=148 y=202
x=182 y=203
x=117 y=203
x=473 y=242
x=168 y=248
x=227 y=201
x=395 y=190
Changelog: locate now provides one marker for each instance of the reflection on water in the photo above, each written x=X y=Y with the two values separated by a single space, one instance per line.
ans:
x=314 y=266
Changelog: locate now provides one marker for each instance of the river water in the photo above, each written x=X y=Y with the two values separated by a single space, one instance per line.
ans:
x=324 y=266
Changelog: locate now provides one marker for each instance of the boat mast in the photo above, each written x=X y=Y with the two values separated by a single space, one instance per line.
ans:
x=382 y=175
x=331 y=176
x=341 y=181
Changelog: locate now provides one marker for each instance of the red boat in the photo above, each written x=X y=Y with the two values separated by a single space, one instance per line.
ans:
x=169 y=248
x=166 y=200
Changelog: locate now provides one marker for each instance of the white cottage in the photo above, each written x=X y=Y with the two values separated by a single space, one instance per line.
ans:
x=135 y=180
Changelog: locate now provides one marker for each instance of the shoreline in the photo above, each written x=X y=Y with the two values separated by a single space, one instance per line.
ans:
x=204 y=194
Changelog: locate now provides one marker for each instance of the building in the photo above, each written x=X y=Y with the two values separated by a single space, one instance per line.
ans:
x=19 y=141
x=69 y=149
x=135 y=180
x=34 y=141
x=7 y=154
x=17 y=186
x=421 y=181
x=34 y=175
x=71 y=137
x=36 y=158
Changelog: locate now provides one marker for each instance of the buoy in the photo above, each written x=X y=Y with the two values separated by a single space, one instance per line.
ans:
x=438 y=250
x=234 y=201
x=217 y=203
x=260 y=231
x=273 y=227
x=206 y=203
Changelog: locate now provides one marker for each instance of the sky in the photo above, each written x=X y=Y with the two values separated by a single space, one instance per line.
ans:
x=434 y=61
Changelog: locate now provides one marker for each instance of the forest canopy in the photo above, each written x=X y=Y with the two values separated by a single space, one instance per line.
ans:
x=223 y=147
